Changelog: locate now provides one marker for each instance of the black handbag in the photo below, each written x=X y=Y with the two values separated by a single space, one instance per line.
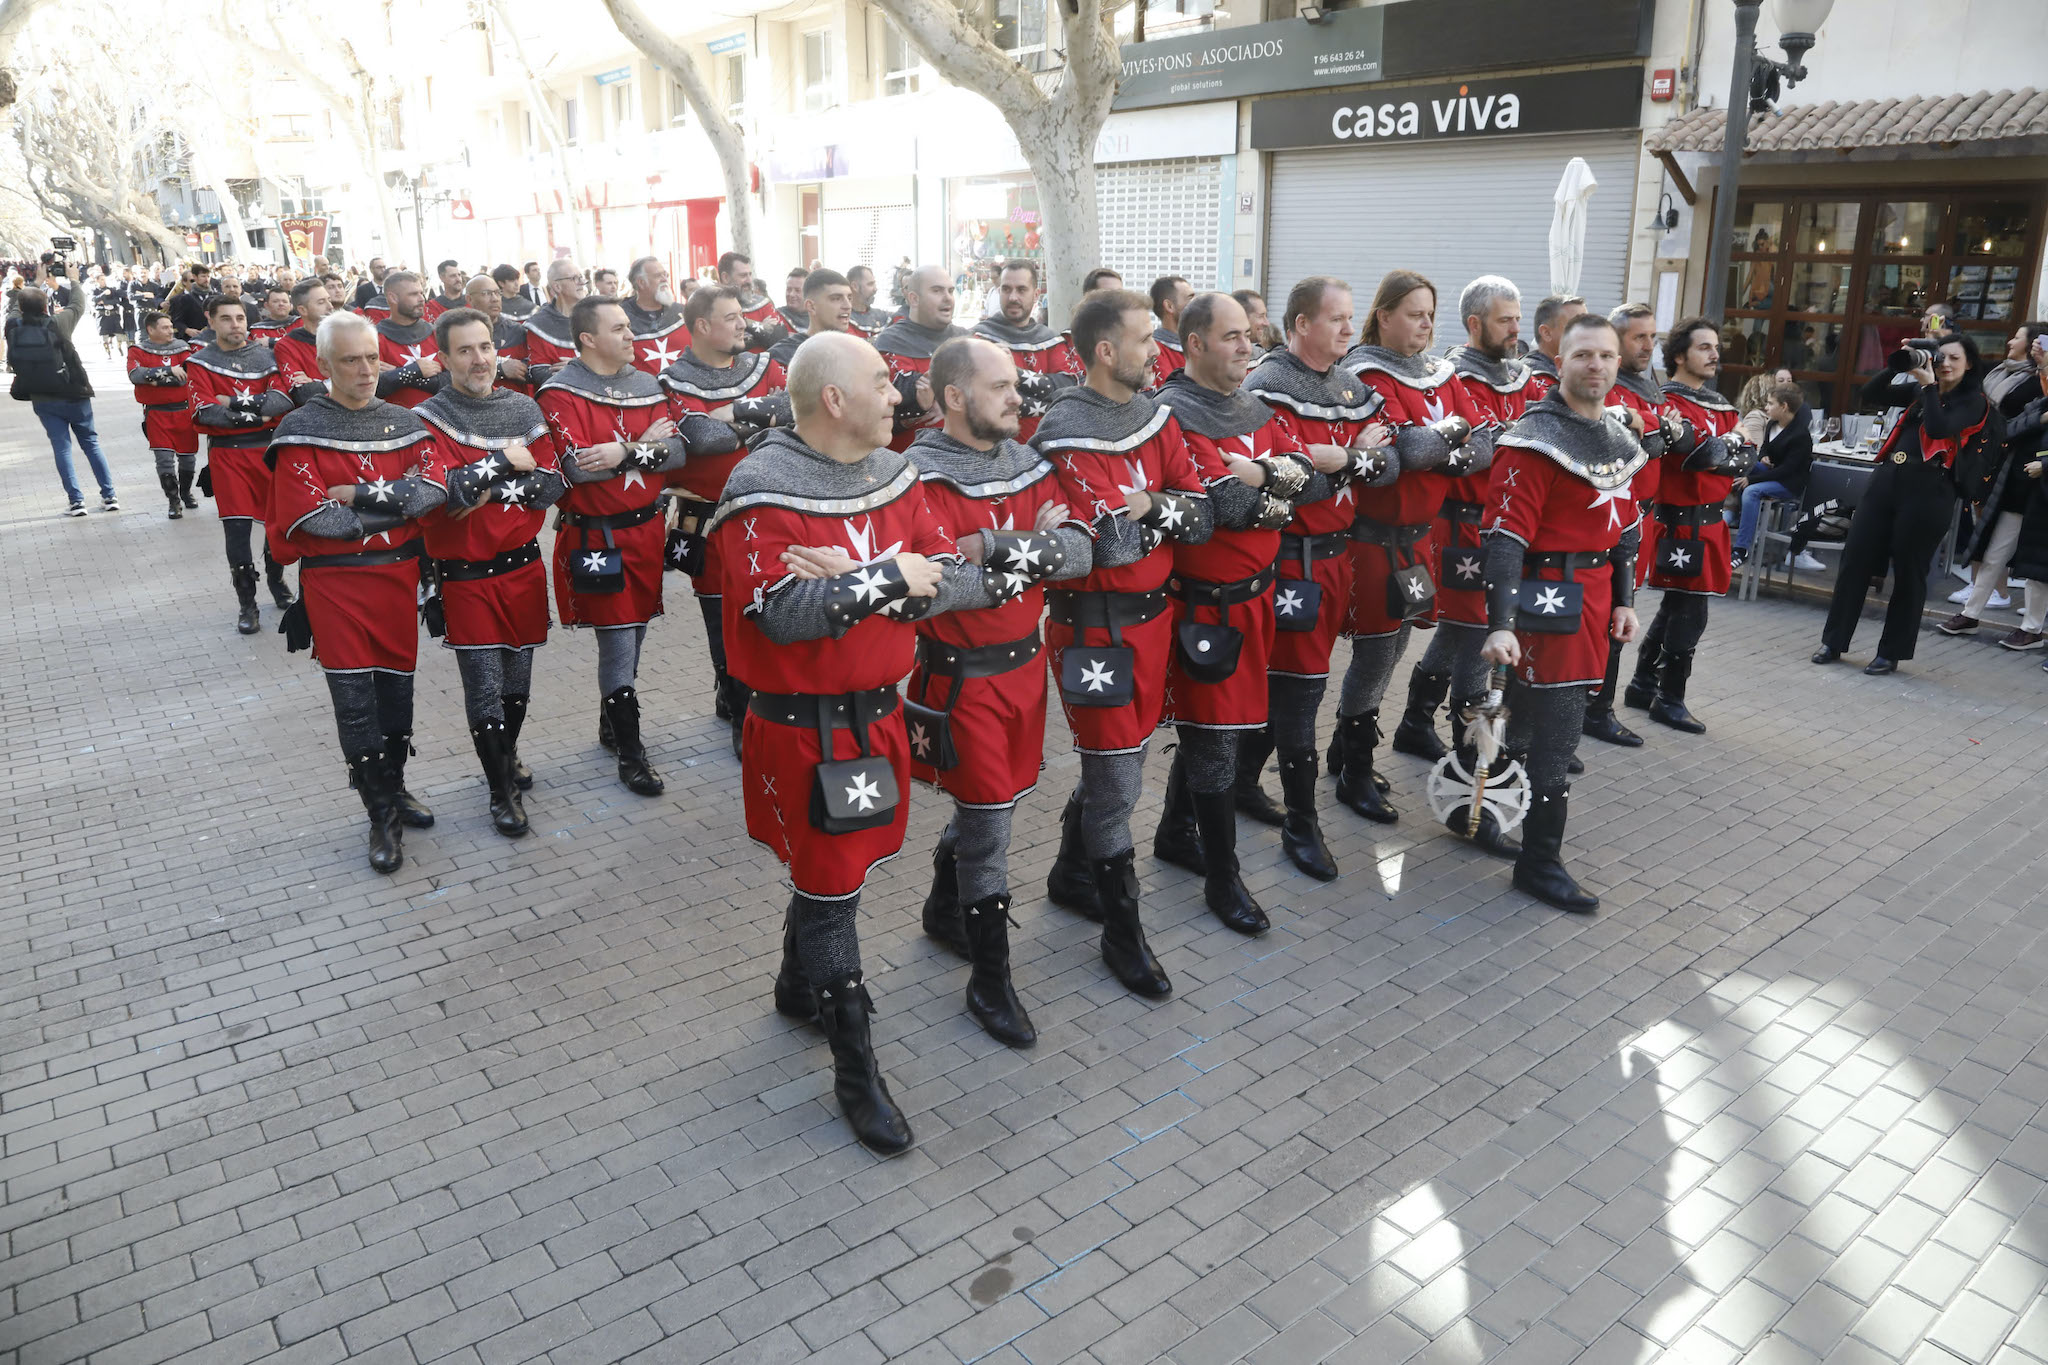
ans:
x=851 y=794
x=1461 y=567
x=1098 y=675
x=1681 y=558
x=1298 y=602
x=1208 y=654
x=686 y=546
x=597 y=570
x=1410 y=592
x=1549 y=607
x=930 y=728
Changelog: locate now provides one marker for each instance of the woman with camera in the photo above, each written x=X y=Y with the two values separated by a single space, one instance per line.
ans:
x=1937 y=449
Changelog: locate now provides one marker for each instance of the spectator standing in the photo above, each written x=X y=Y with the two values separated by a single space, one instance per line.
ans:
x=1780 y=470
x=49 y=376
x=2012 y=386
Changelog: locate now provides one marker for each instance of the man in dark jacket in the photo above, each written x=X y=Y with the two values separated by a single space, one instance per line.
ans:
x=50 y=377
x=1781 y=470
x=188 y=308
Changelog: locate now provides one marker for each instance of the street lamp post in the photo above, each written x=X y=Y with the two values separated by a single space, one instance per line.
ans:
x=1753 y=81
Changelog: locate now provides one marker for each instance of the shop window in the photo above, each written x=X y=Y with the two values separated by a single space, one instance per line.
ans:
x=1896 y=290
x=1812 y=346
x=1819 y=288
x=818 y=71
x=1745 y=341
x=1759 y=228
x=1982 y=291
x=1753 y=285
x=619 y=110
x=1998 y=229
x=1825 y=228
x=1908 y=230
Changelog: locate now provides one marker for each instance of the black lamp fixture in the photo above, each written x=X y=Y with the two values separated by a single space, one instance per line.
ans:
x=1312 y=14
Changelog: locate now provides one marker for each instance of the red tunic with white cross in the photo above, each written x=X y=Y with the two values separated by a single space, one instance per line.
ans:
x=1549 y=509
x=578 y=422
x=655 y=351
x=779 y=762
x=1460 y=576
x=1414 y=499
x=1644 y=488
x=241 y=480
x=1052 y=357
x=1680 y=487
x=1306 y=653
x=702 y=479
x=507 y=609
x=400 y=354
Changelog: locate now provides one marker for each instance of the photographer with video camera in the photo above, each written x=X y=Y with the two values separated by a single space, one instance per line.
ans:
x=51 y=379
x=1937 y=450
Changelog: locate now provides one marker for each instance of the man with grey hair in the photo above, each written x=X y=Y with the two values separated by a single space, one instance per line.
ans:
x=833 y=553
x=1552 y=316
x=354 y=475
x=659 y=333
x=550 y=342
x=909 y=344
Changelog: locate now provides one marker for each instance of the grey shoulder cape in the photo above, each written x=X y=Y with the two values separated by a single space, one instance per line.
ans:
x=252 y=361
x=1603 y=452
x=784 y=472
x=1639 y=383
x=547 y=323
x=1282 y=380
x=1704 y=398
x=377 y=427
x=405 y=334
x=1006 y=468
x=1419 y=371
x=168 y=348
x=658 y=323
x=505 y=418
x=1540 y=363
x=687 y=374
x=629 y=388
x=1218 y=416
x=1035 y=336
x=1079 y=418
x=1503 y=376
x=907 y=338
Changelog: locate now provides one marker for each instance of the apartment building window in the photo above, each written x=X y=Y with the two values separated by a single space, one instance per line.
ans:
x=291 y=127
x=678 y=104
x=620 y=111
x=818 y=71
x=735 y=84
x=1020 y=30
x=570 y=122
x=903 y=71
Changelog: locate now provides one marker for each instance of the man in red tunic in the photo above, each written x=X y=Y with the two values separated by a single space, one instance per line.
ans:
x=550 y=341
x=497 y=461
x=1635 y=391
x=353 y=476
x=719 y=379
x=156 y=367
x=1391 y=553
x=1253 y=470
x=297 y=354
x=615 y=441
x=452 y=294
x=736 y=272
x=1552 y=314
x=238 y=396
x=834 y=551
x=412 y=370
x=1703 y=454
x=1330 y=413
x=977 y=698
x=1170 y=294
x=1125 y=473
x=1559 y=582
x=508 y=337
x=828 y=307
x=273 y=317
x=659 y=332
x=1045 y=359
x=908 y=345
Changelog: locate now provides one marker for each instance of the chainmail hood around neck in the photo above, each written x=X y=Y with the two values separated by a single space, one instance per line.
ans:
x=914 y=340
x=1003 y=468
x=783 y=471
x=1218 y=416
x=501 y=415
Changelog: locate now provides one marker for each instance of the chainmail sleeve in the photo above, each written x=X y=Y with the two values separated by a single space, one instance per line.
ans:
x=332 y=522
x=707 y=435
x=1421 y=448
x=1120 y=541
x=1233 y=504
x=962 y=587
x=1079 y=550
x=1503 y=578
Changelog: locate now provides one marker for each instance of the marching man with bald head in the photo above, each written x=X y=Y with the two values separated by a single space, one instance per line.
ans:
x=909 y=345
x=832 y=552
x=353 y=476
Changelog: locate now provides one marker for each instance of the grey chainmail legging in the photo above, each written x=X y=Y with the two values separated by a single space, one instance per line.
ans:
x=827 y=944
x=618 y=657
x=1372 y=664
x=1544 y=723
x=369 y=706
x=1292 y=705
x=491 y=675
x=1454 y=653
x=1208 y=758
x=981 y=847
x=1109 y=793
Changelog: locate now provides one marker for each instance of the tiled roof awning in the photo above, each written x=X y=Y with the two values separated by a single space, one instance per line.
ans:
x=1947 y=121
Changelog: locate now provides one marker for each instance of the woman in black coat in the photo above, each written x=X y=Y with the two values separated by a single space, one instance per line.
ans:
x=1938 y=448
x=2010 y=387
x=2027 y=440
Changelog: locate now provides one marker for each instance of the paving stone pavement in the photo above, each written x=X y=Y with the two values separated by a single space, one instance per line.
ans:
x=1781 y=1099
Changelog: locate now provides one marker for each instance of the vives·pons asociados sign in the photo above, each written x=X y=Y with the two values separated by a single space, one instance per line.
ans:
x=1252 y=59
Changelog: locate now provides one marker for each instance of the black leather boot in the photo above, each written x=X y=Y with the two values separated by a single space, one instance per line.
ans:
x=606 y=740
x=622 y=709
x=1601 y=724
x=1222 y=886
x=1489 y=837
x=188 y=468
x=1333 y=759
x=1540 y=869
x=1254 y=747
x=942 y=903
x=794 y=998
x=168 y=481
x=369 y=775
x=1416 y=734
x=494 y=752
x=1069 y=885
x=1642 y=684
x=1669 y=707
x=991 y=995
x=1360 y=735
x=397 y=749
x=1178 y=840
x=1302 y=834
x=273 y=574
x=1124 y=950
x=721 y=698
x=515 y=721
x=843 y=1010
x=247 y=621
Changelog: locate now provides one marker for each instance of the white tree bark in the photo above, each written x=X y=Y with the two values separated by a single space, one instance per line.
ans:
x=551 y=128
x=1057 y=131
x=724 y=135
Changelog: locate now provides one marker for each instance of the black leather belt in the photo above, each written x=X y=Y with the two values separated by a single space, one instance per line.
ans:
x=1467 y=513
x=469 y=570
x=1571 y=561
x=1689 y=515
x=167 y=407
x=615 y=521
x=1327 y=545
x=1102 y=610
x=942 y=660
x=1388 y=537
x=363 y=559
x=237 y=440
x=833 y=710
x=1197 y=592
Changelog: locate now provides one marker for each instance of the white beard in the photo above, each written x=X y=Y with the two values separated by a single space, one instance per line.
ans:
x=664 y=296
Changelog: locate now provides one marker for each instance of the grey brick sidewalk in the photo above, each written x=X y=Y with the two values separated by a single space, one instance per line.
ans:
x=1780 y=1100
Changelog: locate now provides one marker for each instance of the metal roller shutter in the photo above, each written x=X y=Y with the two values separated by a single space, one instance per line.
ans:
x=1452 y=211
x=1160 y=218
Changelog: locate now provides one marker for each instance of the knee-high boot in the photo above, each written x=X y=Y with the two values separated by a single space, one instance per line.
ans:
x=273 y=574
x=188 y=467
x=397 y=749
x=1124 y=949
x=370 y=776
x=1416 y=734
x=1254 y=747
x=1540 y=869
x=1642 y=684
x=843 y=1010
x=794 y=998
x=991 y=995
x=246 y=619
x=1669 y=706
x=168 y=481
x=622 y=709
x=1360 y=735
x=515 y=720
x=1600 y=721
x=1069 y=884
x=1222 y=885
x=1301 y=837
x=942 y=903
x=1178 y=840
x=494 y=752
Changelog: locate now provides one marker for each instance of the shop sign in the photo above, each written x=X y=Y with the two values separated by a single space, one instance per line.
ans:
x=1254 y=59
x=617 y=76
x=1559 y=102
x=732 y=42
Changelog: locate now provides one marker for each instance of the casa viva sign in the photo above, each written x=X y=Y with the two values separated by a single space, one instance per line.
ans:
x=1559 y=102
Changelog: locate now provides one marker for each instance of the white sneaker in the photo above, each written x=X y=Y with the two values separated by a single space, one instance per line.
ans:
x=1960 y=595
x=1999 y=599
x=1808 y=563
x=110 y=504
